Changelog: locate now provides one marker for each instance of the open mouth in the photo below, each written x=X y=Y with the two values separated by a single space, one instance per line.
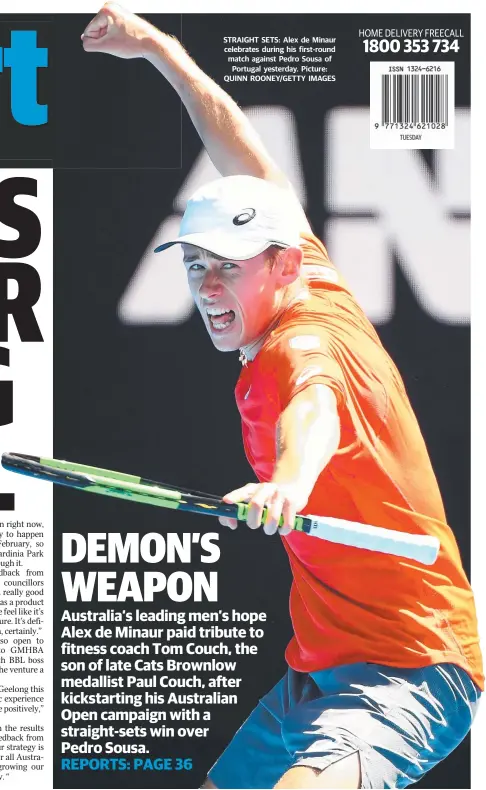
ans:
x=220 y=318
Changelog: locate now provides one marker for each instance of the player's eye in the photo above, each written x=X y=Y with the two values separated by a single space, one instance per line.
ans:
x=195 y=267
x=229 y=265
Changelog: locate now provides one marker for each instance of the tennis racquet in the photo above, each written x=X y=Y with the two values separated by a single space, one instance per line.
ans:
x=422 y=548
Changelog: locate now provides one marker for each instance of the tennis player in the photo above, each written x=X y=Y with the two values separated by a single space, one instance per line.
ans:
x=385 y=668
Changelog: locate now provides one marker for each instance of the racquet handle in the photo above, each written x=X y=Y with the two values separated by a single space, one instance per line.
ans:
x=422 y=548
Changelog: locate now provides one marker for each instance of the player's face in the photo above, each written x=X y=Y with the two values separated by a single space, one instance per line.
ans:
x=237 y=299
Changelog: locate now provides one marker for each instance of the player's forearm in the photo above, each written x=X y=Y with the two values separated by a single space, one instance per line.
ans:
x=229 y=138
x=308 y=435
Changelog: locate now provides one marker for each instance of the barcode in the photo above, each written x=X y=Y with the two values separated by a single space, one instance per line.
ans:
x=412 y=104
x=415 y=98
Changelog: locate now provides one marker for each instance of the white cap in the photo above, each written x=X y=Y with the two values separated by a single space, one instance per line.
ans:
x=238 y=217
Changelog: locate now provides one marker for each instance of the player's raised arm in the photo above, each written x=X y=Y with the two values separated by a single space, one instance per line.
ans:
x=228 y=136
x=226 y=133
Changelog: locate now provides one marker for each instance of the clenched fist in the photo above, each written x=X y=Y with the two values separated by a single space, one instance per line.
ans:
x=116 y=31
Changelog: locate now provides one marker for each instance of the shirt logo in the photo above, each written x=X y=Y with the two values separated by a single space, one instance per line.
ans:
x=320 y=273
x=304 y=342
x=307 y=373
x=246 y=216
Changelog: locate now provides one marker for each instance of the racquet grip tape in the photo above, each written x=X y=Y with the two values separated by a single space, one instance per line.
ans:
x=242 y=515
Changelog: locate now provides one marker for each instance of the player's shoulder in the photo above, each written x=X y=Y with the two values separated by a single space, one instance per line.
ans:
x=304 y=326
x=314 y=250
x=318 y=318
x=318 y=270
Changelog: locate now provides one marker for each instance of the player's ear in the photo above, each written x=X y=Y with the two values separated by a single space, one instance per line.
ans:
x=290 y=260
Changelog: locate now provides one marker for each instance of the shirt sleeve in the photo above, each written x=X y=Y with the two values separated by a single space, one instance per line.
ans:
x=302 y=356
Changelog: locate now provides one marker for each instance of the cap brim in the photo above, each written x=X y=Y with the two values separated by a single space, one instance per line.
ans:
x=223 y=245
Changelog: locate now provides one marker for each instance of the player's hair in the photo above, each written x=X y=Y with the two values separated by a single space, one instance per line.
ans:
x=272 y=256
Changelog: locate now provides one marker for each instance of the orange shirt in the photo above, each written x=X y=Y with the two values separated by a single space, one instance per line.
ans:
x=346 y=604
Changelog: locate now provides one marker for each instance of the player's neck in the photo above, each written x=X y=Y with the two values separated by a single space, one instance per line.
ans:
x=249 y=352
